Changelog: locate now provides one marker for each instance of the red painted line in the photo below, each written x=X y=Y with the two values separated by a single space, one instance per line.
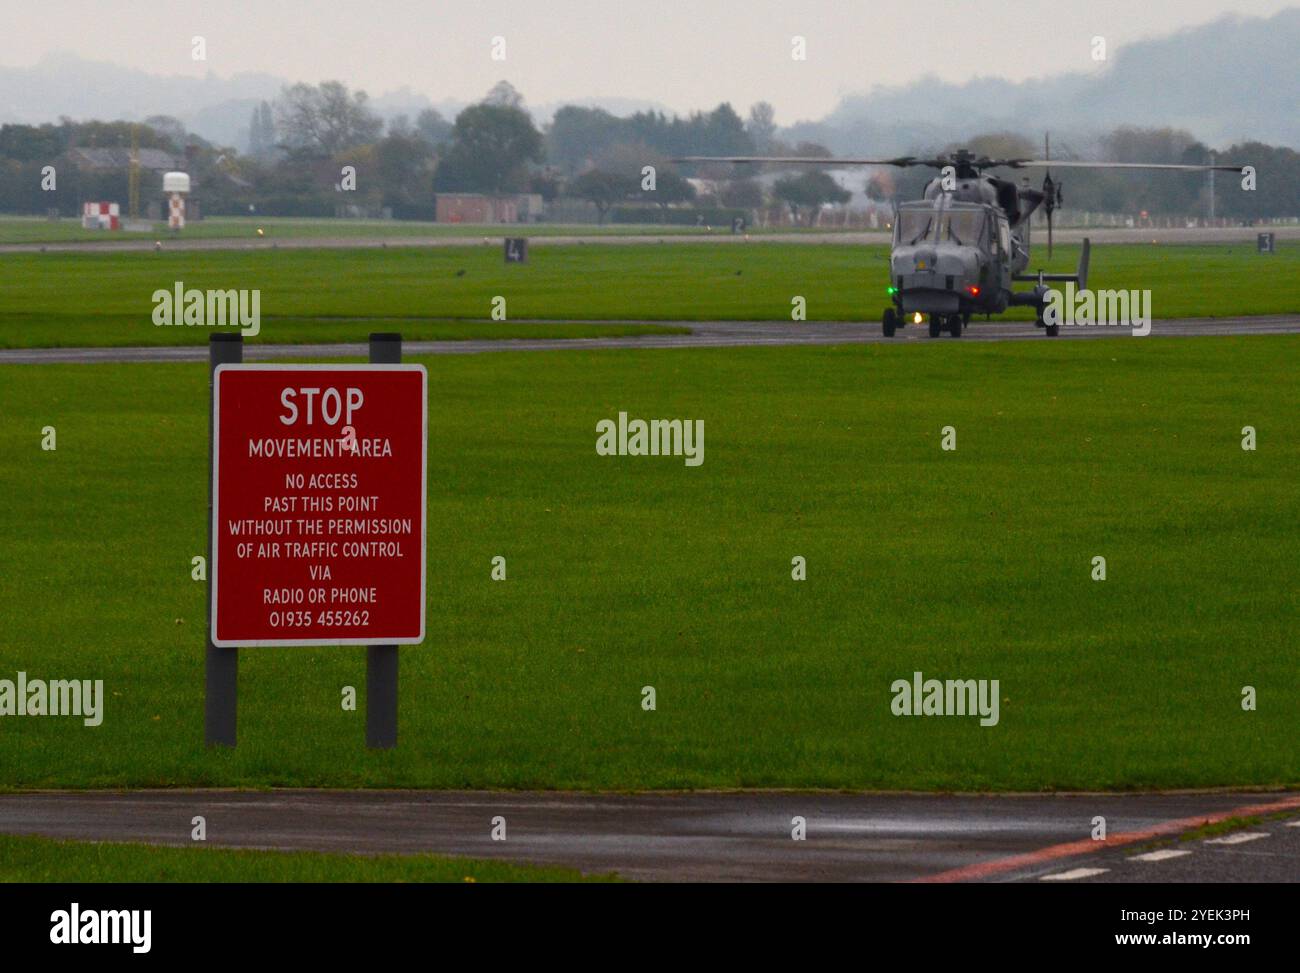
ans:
x=997 y=866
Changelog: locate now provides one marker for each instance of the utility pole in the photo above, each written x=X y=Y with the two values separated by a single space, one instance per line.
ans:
x=133 y=177
x=1211 y=190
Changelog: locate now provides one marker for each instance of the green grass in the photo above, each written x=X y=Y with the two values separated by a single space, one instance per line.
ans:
x=634 y=572
x=33 y=229
x=59 y=299
x=24 y=859
x=1216 y=829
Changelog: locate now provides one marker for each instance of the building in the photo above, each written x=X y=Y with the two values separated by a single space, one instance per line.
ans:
x=482 y=208
x=109 y=160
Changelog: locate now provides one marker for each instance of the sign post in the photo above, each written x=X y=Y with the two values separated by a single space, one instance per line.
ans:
x=222 y=662
x=381 y=660
x=318 y=515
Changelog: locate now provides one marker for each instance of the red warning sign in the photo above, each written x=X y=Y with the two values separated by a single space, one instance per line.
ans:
x=318 y=504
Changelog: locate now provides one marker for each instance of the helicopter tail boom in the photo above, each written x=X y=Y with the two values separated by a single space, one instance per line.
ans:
x=1080 y=276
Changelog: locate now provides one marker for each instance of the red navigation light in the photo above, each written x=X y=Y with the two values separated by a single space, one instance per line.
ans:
x=974 y=291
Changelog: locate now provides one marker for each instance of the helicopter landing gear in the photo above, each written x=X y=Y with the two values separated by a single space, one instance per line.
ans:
x=936 y=326
x=954 y=325
x=889 y=322
x=1040 y=322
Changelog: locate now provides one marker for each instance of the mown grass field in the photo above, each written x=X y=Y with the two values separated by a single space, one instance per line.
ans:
x=44 y=860
x=632 y=572
x=78 y=299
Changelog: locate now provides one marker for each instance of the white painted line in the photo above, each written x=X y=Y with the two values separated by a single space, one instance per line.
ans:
x=1239 y=838
x=1072 y=874
x=1293 y=824
x=1159 y=856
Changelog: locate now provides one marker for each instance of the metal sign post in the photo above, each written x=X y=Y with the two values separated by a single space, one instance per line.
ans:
x=381 y=660
x=222 y=664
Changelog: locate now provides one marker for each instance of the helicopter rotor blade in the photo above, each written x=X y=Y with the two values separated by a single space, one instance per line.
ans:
x=1058 y=164
x=808 y=160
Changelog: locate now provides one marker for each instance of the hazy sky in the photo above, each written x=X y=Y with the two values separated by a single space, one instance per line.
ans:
x=681 y=54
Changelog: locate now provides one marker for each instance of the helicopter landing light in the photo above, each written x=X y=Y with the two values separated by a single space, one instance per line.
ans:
x=916 y=318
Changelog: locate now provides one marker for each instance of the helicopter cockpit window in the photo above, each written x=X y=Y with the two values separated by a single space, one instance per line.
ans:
x=962 y=227
x=914 y=225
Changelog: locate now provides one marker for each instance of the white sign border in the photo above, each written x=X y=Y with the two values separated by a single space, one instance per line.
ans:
x=216 y=496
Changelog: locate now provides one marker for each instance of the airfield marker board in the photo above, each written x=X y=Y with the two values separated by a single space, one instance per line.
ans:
x=318 y=510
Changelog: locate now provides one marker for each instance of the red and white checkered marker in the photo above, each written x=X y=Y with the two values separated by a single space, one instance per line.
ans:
x=100 y=216
x=176 y=212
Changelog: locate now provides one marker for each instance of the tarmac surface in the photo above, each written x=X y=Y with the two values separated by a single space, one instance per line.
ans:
x=493 y=235
x=704 y=334
x=720 y=836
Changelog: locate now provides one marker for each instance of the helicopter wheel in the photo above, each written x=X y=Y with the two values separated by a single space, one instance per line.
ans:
x=936 y=326
x=954 y=325
x=889 y=322
x=1052 y=330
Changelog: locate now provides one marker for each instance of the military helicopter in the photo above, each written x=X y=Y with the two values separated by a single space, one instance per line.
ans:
x=958 y=250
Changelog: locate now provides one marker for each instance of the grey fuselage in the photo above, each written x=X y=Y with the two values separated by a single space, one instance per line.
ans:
x=956 y=250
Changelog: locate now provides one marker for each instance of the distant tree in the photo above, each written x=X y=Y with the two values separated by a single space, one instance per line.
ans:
x=261 y=132
x=490 y=150
x=545 y=184
x=576 y=136
x=723 y=133
x=761 y=126
x=580 y=137
x=880 y=186
x=1000 y=145
x=28 y=143
x=669 y=188
x=604 y=189
x=256 y=146
x=503 y=93
x=325 y=118
x=742 y=194
x=808 y=190
x=170 y=128
x=404 y=169
x=811 y=150
x=1277 y=175
x=266 y=128
x=432 y=127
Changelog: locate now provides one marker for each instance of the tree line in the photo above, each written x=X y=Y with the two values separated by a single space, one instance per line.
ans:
x=299 y=144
